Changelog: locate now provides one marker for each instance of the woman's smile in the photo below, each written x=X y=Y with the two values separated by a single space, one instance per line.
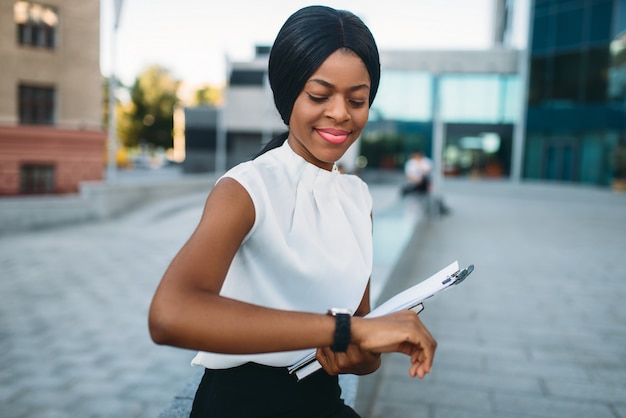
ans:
x=334 y=136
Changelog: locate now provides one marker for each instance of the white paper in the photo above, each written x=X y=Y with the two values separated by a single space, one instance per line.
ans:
x=416 y=294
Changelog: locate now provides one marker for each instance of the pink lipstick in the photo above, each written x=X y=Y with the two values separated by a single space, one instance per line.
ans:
x=334 y=136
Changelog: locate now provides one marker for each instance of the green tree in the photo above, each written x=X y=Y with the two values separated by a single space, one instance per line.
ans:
x=148 y=118
x=207 y=95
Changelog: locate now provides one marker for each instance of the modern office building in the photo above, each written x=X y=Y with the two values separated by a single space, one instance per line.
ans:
x=462 y=107
x=51 y=135
x=576 y=109
x=472 y=97
x=557 y=114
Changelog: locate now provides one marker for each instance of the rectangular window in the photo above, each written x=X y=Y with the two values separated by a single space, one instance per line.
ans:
x=36 y=105
x=537 y=91
x=542 y=34
x=567 y=77
x=600 y=14
x=36 y=24
x=596 y=83
x=36 y=178
x=569 y=29
x=247 y=77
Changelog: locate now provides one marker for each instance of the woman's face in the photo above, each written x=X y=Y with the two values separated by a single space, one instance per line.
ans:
x=331 y=110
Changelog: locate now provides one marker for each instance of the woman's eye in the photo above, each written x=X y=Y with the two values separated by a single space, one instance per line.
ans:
x=357 y=103
x=317 y=99
x=321 y=99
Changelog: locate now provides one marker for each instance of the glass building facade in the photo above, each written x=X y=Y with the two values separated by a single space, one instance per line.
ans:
x=570 y=102
x=478 y=111
x=576 y=111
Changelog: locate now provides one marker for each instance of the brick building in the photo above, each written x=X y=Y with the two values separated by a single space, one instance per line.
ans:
x=51 y=135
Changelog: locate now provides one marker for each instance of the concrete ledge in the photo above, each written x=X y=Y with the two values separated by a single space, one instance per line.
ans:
x=181 y=404
x=95 y=201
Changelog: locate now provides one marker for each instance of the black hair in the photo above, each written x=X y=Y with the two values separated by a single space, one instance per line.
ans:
x=306 y=39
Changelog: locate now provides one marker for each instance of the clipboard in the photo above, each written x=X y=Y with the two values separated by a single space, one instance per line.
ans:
x=411 y=298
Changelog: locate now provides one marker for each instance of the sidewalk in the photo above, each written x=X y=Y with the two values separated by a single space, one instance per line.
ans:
x=539 y=328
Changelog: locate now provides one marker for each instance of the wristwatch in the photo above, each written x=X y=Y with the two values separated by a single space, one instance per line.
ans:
x=342 y=329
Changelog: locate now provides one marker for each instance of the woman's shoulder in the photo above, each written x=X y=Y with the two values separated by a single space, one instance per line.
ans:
x=354 y=181
x=357 y=188
x=254 y=170
x=256 y=175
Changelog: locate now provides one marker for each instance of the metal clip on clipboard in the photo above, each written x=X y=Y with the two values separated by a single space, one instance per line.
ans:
x=460 y=275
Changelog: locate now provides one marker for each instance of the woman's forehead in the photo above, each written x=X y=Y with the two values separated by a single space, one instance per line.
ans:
x=342 y=66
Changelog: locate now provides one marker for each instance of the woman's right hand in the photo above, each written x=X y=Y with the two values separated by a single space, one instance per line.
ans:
x=401 y=332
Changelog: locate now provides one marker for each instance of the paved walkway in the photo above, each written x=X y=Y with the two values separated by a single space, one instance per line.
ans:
x=539 y=328
x=73 y=318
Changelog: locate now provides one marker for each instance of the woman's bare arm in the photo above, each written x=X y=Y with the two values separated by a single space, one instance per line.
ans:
x=187 y=310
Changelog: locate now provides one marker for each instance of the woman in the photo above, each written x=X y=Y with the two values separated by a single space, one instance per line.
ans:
x=283 y=238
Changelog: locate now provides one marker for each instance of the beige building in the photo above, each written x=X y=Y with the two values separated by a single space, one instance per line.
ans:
x=51 y=135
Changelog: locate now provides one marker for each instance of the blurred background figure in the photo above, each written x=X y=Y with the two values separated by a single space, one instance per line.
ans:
x=417 y=172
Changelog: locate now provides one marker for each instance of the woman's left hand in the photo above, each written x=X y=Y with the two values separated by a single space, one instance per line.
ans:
x=353 y=361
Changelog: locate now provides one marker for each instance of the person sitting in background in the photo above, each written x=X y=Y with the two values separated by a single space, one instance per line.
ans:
x=417 y=171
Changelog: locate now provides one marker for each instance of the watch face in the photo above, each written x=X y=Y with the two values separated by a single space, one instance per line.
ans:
x=335 y=311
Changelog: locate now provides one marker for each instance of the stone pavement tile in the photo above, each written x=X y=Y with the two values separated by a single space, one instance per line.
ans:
x=75 y=319
x=539 y=370
x=452 y=412
x=416 y=393
x=457 y=376
x=586 y=391
x=43 y=398
x=549 y=407
x=608 y=375
x=48 y=412
x=12 y=409
x=390 y=409
x=106 y=407
x=620 y=410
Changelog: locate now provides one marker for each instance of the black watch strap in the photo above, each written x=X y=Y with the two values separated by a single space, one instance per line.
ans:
x=342 y=334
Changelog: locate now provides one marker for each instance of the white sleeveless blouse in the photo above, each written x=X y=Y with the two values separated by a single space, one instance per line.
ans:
x=310 y=247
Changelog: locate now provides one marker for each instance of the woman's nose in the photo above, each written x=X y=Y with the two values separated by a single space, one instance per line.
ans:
x=338 y=109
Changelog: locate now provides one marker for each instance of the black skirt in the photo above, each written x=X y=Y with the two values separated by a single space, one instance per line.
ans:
x=253 y=390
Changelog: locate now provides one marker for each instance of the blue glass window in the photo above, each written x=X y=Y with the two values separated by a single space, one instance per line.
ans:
x=600 y=25
x=404 y=96
x=470 y=98
x=569 y=28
